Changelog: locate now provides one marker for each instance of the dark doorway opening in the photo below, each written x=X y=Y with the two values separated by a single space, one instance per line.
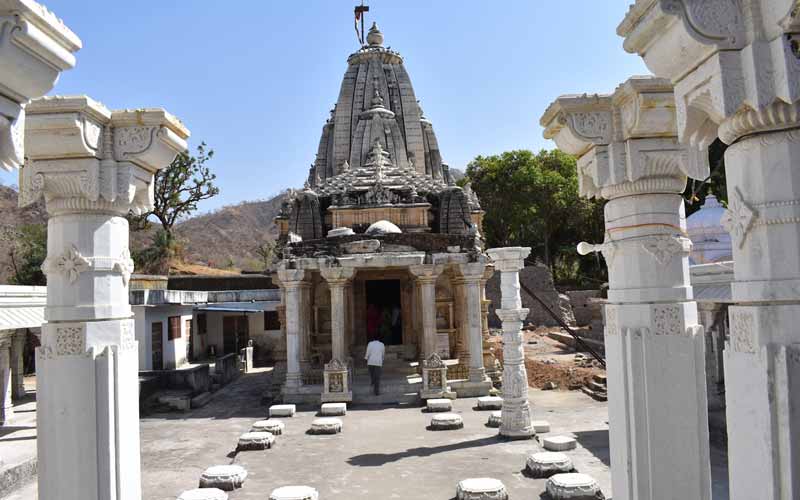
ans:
x=384 y=316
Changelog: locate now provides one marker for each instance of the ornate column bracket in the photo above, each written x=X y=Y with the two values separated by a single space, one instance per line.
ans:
x=35 y=47
x=112 y=156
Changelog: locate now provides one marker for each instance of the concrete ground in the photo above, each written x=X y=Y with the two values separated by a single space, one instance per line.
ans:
x=384 y=451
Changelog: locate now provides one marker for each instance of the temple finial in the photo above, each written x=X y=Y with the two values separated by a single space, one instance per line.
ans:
x=375 y=37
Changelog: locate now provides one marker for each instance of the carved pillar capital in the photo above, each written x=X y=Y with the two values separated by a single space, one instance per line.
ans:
x=426 y=273
x=84 y=158
x=735 y=65
x=291 y=278
x=35 y=47
x=508 y=259
x=626 y=141
x=337 y=277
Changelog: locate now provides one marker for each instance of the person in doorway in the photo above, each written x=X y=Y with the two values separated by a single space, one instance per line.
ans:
x=374 y=357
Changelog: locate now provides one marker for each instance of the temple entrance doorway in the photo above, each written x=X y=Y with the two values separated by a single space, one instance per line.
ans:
x=384 y=311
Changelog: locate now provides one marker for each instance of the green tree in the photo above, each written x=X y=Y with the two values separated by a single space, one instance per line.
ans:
x=178 y=189
x=532 y=200
x=27 y=253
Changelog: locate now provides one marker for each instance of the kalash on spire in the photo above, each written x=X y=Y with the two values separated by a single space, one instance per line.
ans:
x=377 y=120
x=380 y=230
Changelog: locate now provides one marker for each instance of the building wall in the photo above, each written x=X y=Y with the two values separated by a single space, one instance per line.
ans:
x=264 y=341
x=173 y=351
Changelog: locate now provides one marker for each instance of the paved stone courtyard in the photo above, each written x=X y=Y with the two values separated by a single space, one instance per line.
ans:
x=383 y=450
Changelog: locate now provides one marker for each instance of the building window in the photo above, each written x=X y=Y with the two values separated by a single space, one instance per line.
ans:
x=201 y=324
x=271 y=320
x=174 y=331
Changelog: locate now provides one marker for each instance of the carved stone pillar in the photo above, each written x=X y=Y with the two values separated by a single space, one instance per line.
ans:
x=471 y=276
x=92 y=166
x=490 y=363
x=516 y=412
x=6 y=406
x=426 y=277
x=628 y=154
x=35 y=47
x=17 y=363
x=736 y=71
x=305 y=324
x=337 y=278
x=292 y=280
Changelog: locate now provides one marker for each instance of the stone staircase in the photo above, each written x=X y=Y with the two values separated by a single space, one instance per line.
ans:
x=597 y=388
x=400 y=382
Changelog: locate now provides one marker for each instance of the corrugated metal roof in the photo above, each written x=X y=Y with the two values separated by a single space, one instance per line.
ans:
x=12 y=318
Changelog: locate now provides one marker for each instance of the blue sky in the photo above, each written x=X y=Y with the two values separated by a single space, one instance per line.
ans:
x=255 y=79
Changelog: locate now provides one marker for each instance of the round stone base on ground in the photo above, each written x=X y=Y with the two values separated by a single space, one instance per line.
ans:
x=333 y=409
x=559 y=443
x=541 y=426
x=326 y=425
x=255 y=441
x=203 y=494
x=573 y=486
x=282 y=410
x=548 y=463
x=435 y=405
x=481 y=488
x=490 y=403
x=495 y=419
x=294 y=493
x=224 y=477
x=446 y=422
x=274 y=427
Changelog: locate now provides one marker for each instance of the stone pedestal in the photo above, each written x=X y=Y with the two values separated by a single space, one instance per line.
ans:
x=336 y=383
x=434 y=379
x=17 y=364
x=516 y=413
x=426 y=277
x=92 y=166
x=737 y=78
x=628 y=153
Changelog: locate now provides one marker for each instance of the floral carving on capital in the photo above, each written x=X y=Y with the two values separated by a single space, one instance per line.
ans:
x=594 y=126
x=664 y=248
x=124 y=266
x=132 y=140
x=738 y=217
x=70 y=264
x=718 y=21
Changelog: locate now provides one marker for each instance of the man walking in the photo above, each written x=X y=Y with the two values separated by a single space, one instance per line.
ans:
x=374 y=357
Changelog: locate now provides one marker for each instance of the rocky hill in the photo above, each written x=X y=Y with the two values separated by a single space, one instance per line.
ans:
x=11 y=219
x=228 y=237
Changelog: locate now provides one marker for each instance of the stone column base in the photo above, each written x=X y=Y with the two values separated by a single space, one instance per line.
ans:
x=337 y=397
x=468 y=389
x=437 y=394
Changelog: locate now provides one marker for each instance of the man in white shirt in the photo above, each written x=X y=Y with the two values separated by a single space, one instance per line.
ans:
x=374 y=357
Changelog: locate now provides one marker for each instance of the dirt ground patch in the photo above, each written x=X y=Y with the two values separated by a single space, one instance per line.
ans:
x=547 y=360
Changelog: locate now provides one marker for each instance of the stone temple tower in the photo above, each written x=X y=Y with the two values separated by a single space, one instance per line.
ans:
x=376 y=102
x=380 y=243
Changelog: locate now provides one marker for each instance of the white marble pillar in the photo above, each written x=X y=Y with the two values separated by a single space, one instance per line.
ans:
x=337 y=278
x=426 y=277
x=628 y=154
x=17 y=363
x=92 y=166
x=6 y=405
x=736 y=71
x=516 y=412
x=292 y=280
x=471 y=276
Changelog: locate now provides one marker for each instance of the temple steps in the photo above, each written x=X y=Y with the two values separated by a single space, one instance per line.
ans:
x=394 y=389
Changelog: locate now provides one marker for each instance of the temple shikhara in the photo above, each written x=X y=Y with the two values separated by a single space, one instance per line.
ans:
x=381 y=230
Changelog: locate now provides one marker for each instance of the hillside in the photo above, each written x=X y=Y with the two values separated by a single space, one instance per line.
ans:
x=229 y=235
x=11 y=218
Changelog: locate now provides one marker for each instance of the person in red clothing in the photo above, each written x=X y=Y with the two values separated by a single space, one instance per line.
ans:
x=374 y=318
